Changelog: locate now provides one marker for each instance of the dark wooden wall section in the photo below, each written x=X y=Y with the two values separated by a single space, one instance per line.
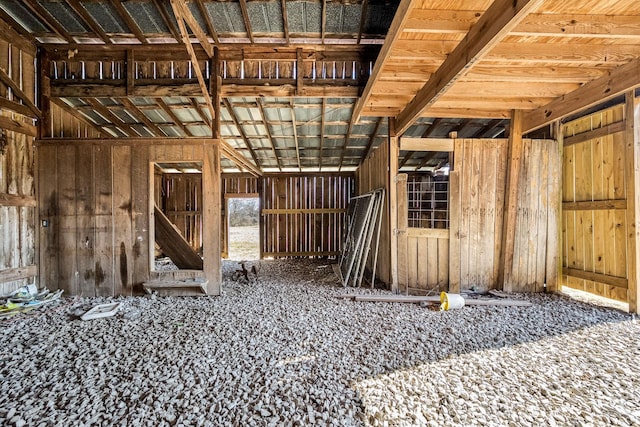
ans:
x=374 y=174
x=180 y=199
x=235 y=185
x=96 y=197
x=17 y=190
x=303 y=215
x=64 y=122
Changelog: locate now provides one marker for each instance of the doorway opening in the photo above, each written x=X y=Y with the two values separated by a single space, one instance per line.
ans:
x=243 y=225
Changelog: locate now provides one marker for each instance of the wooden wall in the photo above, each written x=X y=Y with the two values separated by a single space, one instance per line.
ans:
x=372 y=174
x=594 y=203
x=303 y=214
x=17 y=190
x=63 y=124
x=96 y=197
x=179 y=197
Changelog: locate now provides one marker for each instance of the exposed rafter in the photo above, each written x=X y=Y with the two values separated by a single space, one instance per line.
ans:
x=426 y=134
x=168 y=20
x=88 y=19
x=295 y=133
x=115 y=120
x=323 y=24
x=44 y=15
x=267 y=126
x=243 y=135
x=501 y=17
x=372 y=138
x=207 y=21
x=347 y=136
x=195 y=27
x=173 y=116
x=363 y=19
x=491 y=125
x=429 y=155
x=612 y=84
x=131 y=107
x=76 y=113
x=247 y=21
x=133 y=26
x=322 y=123
x=285 y=20
x=232 y=154
x=18 y=92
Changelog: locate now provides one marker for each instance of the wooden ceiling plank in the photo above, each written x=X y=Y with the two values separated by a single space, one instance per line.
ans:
x=173 y=116
x=184 y=36
x=88 y=19
x=195 y=27
x=133 y=26
x=44 y=15
x=612 y=84
x=142 y=117
x=243 y=135
x=247 y=21
x=18 y=92
x=573 y=25
x=208 y=21
x=267 y=126
x=501 y=17
x=393 y=35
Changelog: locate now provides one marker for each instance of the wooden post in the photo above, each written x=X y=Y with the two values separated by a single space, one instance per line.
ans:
x=632 y=180
x=215 y=87
x=393 y=204
x=514 y=165
x=554 y=217
x=211 y=217
x=299 y=71
x=131 y=72
x=45 y=94
x=403 y=224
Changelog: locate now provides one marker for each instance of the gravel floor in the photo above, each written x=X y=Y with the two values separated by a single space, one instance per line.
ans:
x=284 y=351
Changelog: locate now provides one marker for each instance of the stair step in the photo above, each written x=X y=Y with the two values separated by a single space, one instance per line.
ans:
x=187 y=287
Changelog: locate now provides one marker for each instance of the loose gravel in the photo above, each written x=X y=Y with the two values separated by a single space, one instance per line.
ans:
x=283 y=350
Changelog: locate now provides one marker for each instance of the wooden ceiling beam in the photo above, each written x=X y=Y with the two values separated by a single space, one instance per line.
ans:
x=173 y=116
x=294 y=127
x=194 y=59
x=612 y=84
x=133 y=108
x=133 y=26
x=207 y=20
x=88 y=19
x=285 y=20
x=195 y=27
x=269 y=134
x=111 y=117
x=364 y=7
x=243 y=135
x=18 y=92
x=393 y=35
x=495 y=24
x=203 y=116
x=247 y=21
x=322 y=123
x=175 y=32
x=347 y=136
x=44 y=15
x=323 y=23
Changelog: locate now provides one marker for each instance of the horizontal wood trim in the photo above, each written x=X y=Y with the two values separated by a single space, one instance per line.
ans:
x=182 y=213
x=431 y=233
x=595 y=133
x=19 y=273
x=426 y=144
x=300 y=211
x=618 y=282
x=596 y=205
x=283 y=254
x=241 y=195
x=17 y=108
x=18 y=126
x=126 y=141
x=15 y=200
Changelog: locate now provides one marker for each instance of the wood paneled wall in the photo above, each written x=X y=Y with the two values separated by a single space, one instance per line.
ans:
x=62 y=124
x=372 y=174
x=17 y=190
x=303 y=215
x=594 y=196
x=96 y=197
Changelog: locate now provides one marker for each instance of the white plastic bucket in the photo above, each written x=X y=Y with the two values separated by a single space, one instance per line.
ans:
x=450 y=301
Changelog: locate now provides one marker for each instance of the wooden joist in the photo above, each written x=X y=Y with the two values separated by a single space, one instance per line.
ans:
x=173 y=244
x=426 y=144
x=18 y=126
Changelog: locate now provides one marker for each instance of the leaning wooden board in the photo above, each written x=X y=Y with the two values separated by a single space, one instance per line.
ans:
x=434 y=299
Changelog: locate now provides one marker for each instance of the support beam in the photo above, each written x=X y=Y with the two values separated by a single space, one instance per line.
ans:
x=243 y=135
x=44 y=15
x=17 y=91
x=168 y=20
x=613 y=83
x=215 y=85
x=269 y=134
x=514 y=165
x=426 y=144
x=367 y=150
x=108 y=115
x=495 y=24
x=285 y=20
x=632 y=179
x=323 y=25
x=194 y=59
x=363 y=19
x=232 y=154
x=247 y=21
x=88 y=19
x=133 y=26
x=173 y=116
x=295 y=133
x=393 y=35
x=427 y=133
x=393 y=204
x=322 y=122
x=18 y=126
x=195 y=27
x=135 y=111
x=491 y=125
x=207 y=20
x=427 y=158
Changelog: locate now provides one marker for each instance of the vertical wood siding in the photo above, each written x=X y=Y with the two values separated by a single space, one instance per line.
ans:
x=594 y=225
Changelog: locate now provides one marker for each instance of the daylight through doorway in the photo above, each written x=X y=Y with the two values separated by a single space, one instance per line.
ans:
x=244 y=228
